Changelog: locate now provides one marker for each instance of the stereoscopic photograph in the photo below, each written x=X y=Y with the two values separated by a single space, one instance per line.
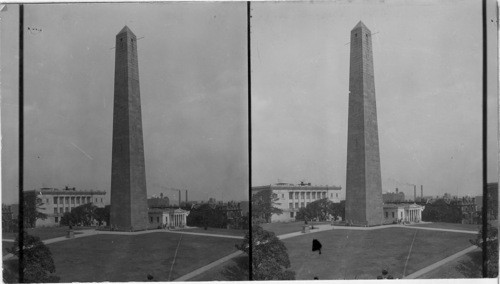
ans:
x=235 y=141
x=367 y=140
x=135 y=142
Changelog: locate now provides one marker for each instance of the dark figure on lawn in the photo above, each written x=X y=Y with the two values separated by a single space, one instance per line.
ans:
x=316 y=246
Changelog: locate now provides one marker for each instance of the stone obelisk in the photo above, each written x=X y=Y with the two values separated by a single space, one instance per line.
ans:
x=363 y=178
x=129 y=211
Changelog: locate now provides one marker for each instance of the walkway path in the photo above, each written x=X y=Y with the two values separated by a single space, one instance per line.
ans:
x=327 y=227
x=208 y=266
x=440 y=263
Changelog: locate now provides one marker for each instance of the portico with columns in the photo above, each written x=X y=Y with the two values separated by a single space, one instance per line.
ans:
x=398 y=213
x=167 y=218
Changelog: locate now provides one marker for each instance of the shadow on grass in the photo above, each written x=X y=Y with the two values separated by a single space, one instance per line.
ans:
x=238 y=271
x=472 y=266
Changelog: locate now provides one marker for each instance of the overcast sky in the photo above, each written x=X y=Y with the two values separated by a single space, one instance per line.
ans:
x=193 y=79
x=428 y=80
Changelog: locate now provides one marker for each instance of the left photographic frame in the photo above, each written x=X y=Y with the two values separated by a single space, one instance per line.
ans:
x=125 y=141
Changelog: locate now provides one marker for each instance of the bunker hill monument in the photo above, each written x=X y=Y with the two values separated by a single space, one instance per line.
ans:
x=129 y=211
x=363 y=178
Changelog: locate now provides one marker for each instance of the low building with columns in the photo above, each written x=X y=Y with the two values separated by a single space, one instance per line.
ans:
x=54 y=202
x=398 y=213
x=290 y=197
x=168 y=218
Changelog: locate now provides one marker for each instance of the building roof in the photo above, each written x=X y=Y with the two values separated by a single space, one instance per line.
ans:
x=65 y=191
x=289 y=186
x=404 y=206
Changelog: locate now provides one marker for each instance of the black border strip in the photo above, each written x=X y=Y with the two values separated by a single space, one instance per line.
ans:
x=485 y=144
x=249 y=15
x=21 y=142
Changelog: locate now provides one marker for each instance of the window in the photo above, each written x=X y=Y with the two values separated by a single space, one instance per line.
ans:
x=66 y=200
x=78 y=200
x=66 y=209
x=282 y=196
x=331 y=194
x=55 y=200
x=158 y=219
x=401 y=214
x=291 y=214
x=290 y=195
x=48 y=202
x=302 y=204
x=150 y=219
x=61 y=200
x=290 y=205
x=296 y=205
x=101 y=200
x=336 y=195
x=57 y=220
x=73 y=200
x=314 y=195
x=96 y=200
x=308 y=195
x=61 y=210
x=302 y=195
x=88 y=199
x=55 y=210
x=296 y=195
x=392 y=214
x=324 y=195
x=386 y=214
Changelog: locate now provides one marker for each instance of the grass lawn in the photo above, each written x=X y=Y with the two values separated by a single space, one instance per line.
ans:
x=289 y=227
x=352 y=254
x=453 y=226
x=122 y=258
x=217 y=231
x=235 y=269
x=466 y=266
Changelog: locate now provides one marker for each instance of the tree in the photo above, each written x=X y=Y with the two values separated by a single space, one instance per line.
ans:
x=82 y=215
x=270 y=259
x=32 y=205
x=338 y=210
x=102 y=214
x=321 y=210
x=440 y=211
x=492 y=249
x=263 y=206
x=38 y=265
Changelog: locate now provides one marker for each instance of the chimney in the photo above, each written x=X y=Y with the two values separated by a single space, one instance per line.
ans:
x=161 y=195
x=397 y=190
x=414 y=193
x=186 y=196
x=422 y=191
x=179 y=198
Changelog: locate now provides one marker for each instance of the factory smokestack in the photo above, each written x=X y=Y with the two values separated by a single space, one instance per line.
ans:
x=421 y=192
x=414 y=193
x=186 y=196
x=397 y=190
x=179 y=198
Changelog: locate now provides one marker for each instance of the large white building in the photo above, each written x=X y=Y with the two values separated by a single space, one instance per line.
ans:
x=290 y=198
x=55 y=202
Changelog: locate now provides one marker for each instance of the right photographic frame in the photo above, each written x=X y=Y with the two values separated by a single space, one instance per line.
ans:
x=374 y=140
